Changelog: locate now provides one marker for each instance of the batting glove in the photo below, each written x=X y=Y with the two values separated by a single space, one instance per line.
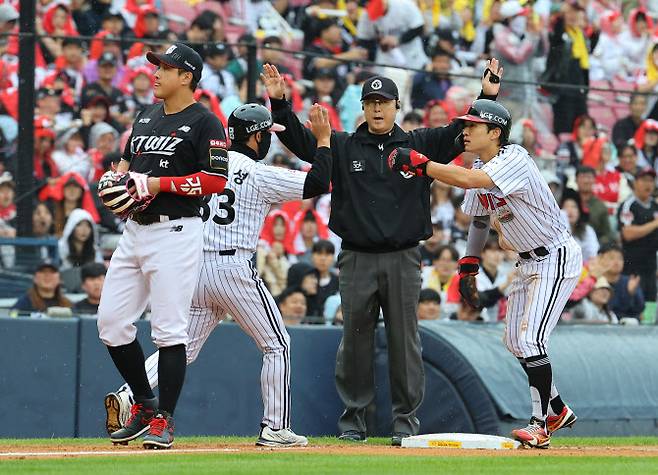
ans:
x=408 y=160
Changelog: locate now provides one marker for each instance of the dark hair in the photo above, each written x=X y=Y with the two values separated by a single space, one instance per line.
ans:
x=584 y=169
x=581 y=224
x=438 y=51
x=450 y=248
x=621 y=148
x=193 y=83
x=71 y=42
x=87 y=253
x=323 y=246
x=610 y=247
x=202 y=21
x=287 y=292
x=413 y=116
x=491 y=126
x=92 y=270
x=429 y=295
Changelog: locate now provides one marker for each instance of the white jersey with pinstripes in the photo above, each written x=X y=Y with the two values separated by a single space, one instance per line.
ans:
x=529 y=218
x=236 y=215
x=520 y=199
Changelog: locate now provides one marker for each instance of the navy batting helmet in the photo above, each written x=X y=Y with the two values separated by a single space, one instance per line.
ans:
x=249 y=119
x=490 y=112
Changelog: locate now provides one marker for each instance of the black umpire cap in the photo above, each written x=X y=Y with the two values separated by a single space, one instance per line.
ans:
x=380 y=86
x=179 y=56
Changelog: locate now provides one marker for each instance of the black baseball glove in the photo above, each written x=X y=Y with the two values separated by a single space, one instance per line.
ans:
x=117 y=192
x=469 y=266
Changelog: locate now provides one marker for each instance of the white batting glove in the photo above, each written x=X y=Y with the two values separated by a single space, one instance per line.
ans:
x=138 y=186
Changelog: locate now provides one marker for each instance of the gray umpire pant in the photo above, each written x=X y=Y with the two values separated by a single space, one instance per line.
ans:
x=390 y=281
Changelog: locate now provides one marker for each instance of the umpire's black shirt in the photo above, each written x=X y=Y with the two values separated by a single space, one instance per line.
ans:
x=374 y=209
x=179 y=144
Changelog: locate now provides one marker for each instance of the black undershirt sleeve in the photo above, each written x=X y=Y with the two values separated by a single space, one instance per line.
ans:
x=409 y=35
x=318 y=178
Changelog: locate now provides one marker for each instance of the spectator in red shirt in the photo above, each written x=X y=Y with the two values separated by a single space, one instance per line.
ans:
x=44 y=143
x=610 y=185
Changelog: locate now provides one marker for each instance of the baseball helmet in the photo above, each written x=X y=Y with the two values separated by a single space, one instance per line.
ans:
x=490 y=112
x=249 y=119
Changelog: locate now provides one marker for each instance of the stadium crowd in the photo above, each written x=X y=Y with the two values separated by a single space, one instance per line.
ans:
x=597 y=149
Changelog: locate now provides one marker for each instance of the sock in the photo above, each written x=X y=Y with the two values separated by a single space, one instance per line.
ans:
x=171 y=374
x=556 y=405
x=540 y=379
x=129 y=360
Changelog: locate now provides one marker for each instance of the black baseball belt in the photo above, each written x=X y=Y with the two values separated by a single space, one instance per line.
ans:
x=540 y=252
x=145 y=219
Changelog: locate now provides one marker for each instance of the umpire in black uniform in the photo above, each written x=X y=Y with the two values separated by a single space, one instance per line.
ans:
x=381 y=216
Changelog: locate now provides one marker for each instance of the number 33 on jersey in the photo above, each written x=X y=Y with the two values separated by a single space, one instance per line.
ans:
x=233 y=219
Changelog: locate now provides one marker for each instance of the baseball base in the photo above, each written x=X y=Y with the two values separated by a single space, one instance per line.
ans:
x=459 y=441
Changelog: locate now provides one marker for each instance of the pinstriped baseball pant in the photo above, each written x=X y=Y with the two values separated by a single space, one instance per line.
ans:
x=230 y=284
x=538 y=296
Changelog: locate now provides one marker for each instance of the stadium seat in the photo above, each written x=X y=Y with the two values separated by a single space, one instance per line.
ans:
x=178 y=14
x=212 y=6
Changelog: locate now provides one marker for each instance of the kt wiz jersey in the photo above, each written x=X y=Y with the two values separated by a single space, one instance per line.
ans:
x=179 y=144
x=521 y=200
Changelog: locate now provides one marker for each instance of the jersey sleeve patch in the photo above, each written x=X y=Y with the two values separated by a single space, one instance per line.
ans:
x=219 y=160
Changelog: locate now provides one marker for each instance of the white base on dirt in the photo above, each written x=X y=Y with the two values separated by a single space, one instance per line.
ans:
x=459 y=441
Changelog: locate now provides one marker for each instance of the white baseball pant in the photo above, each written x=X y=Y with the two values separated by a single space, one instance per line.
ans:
x=230 y=284
x=160 y=261
x=538 y=296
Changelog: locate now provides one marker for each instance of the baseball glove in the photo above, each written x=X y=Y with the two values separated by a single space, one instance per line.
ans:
x=118 y=194
x=469 y=267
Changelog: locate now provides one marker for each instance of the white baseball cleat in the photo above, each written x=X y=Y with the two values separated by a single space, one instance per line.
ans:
x=117 y=410
x=280 y=438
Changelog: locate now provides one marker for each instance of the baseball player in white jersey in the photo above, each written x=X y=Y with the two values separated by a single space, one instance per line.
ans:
x=506 y=187
x=228 y=281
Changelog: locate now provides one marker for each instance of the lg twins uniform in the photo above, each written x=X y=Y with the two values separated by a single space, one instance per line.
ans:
x=550 y=260
x=229 y=282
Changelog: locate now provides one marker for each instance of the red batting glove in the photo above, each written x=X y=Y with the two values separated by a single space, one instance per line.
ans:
x=408 y=160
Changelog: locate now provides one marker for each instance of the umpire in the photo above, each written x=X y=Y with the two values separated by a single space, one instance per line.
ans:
x=381 y=216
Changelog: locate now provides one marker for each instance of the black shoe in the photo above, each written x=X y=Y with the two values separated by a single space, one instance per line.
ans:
x=396 y=438
x=353 y=436
x=141 y=415
x=161 y=432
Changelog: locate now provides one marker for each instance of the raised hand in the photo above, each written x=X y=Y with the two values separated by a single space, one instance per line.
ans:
x=273 y=81
x=491 y=77
x=633 y=284
x=319 y=124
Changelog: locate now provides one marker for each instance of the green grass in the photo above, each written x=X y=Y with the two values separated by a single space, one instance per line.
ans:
x=299 y=462
x=293 y=463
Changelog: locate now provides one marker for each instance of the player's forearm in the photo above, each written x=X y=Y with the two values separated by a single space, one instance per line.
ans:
x=477 y=235
x=196 y=184
x=634 y=232
x=458 y=176
x=123 y=166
